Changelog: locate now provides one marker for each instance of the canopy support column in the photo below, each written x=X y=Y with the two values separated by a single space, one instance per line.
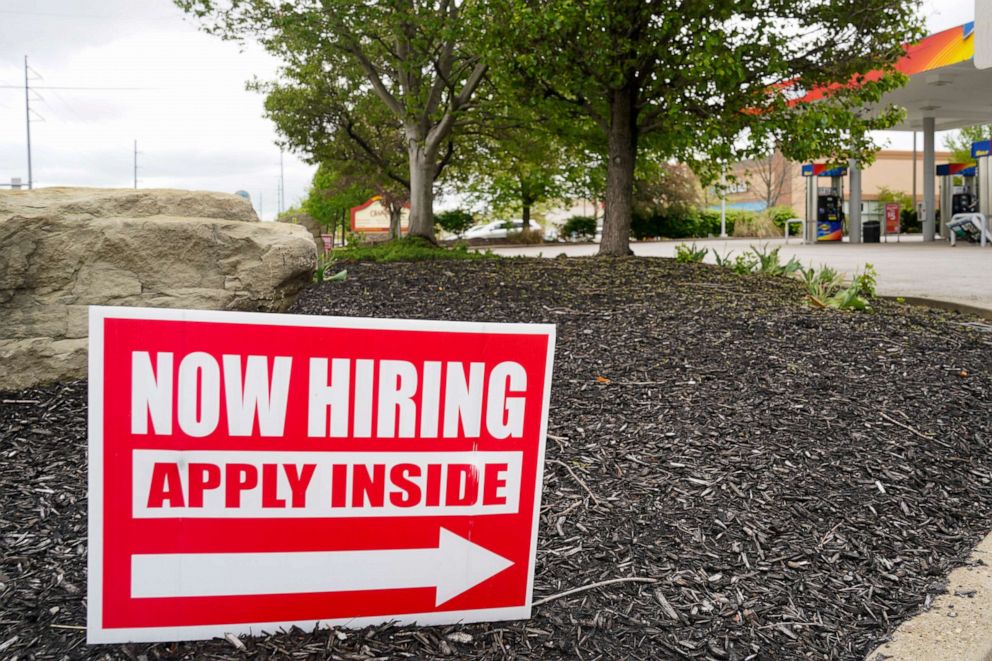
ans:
x=854 y=203
x=929 y=173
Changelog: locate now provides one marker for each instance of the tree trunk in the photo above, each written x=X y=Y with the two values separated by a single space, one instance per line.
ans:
x=395 y=215
x=622 y=154
x=422 y=168
x=525 y=201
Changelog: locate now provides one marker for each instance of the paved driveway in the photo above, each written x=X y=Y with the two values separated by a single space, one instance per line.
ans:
x=911 y=268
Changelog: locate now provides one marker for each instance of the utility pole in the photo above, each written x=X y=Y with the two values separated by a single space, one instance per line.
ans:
x=136 y=164
x=27 y=119
x=723 y=202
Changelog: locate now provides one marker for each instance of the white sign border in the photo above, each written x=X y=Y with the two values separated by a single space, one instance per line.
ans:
x=97 y=634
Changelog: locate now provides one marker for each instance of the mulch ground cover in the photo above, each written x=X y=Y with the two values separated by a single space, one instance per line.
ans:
x=789 y=483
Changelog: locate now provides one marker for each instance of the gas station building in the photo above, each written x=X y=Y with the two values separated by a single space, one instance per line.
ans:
x=950 y=87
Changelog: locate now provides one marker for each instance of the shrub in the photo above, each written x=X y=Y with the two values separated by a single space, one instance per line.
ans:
x=525 y=237
x=689 y=254
x=456 y=221
x=779 y=215
x=682 y=223
x=757 y=225
x=408 y=249
x=581 y=226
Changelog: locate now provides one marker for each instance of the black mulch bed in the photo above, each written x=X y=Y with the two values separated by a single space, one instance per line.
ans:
x=796 y=481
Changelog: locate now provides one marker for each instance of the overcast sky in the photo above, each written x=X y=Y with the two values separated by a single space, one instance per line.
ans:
x=138 y=70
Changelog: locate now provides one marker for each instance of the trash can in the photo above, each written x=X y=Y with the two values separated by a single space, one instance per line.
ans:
x=871 y=230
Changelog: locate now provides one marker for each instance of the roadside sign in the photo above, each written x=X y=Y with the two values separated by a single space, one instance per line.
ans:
x=251 y=472
x=892 y=218
x=372 y=216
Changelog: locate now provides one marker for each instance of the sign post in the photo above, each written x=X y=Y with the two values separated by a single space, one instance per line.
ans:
x=250 y=472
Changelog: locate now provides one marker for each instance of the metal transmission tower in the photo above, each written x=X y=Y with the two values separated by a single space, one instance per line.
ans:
x=135 y=164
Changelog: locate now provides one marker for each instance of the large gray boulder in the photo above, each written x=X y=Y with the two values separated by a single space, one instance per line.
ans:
x=307 y=221
x=58 y=258
x=88 y=203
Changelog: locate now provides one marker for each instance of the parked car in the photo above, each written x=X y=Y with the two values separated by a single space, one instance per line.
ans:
x=499 y=229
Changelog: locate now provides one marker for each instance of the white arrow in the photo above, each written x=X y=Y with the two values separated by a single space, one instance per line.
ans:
x=454 y=566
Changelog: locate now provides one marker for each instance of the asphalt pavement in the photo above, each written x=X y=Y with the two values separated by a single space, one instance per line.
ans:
x=937 y=271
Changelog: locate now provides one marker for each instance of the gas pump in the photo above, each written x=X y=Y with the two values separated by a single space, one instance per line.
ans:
x=970 y=220
x=956 y=198
x=824 y=204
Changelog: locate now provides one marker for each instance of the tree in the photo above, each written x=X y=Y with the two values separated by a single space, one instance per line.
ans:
x=666 y=187
x=960 y=143
x=456 y=221
x=350 y=134
x=704 y=82
x=332 y=194
x=411 y=56
x=770 y=175
x=515 y=166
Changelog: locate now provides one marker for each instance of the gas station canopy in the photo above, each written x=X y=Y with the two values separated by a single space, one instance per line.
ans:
x=950 y=87
x=944 y=83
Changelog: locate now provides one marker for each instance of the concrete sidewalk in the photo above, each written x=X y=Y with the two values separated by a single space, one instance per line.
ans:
x=961 y=274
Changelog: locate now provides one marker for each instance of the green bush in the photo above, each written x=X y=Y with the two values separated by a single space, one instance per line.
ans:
x=581 y=226
x=683 y=224
x=456 y=221
x=409 y=249
x=525 y=237
x=779 y=215
x=909 y=221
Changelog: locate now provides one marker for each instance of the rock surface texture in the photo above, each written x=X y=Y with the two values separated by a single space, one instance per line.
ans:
x=63 y=249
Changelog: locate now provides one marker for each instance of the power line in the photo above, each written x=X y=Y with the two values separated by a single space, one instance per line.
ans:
x=94 y=16
x=60 y=87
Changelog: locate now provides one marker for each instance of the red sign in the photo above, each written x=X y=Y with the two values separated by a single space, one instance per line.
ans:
x=250 y=472
x=891 y=218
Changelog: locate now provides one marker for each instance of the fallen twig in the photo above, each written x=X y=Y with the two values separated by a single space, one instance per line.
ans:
x=907 y=427
x=593 y=586
x=577 y=479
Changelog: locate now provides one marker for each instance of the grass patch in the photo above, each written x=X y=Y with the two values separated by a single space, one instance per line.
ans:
x=407 y=249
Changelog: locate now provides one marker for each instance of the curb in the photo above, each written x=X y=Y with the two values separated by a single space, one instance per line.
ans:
x=950 y=306
x=958 y=626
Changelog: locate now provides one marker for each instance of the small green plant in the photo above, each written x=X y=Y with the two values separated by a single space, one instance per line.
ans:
x=326 y=263
x=867 y=281
x=723 y=260
x=770 y=263
x=690 y=254
x=744 y=264
x=580 y=226
x=826 y=288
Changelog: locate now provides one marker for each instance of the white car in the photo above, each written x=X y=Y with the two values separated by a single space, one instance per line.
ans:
x=499 y=229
